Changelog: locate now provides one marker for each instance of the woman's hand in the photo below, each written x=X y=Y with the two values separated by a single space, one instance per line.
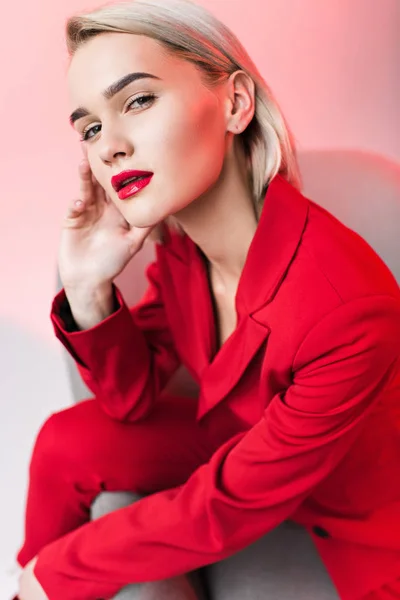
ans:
x=96 y=240
x=29 y=587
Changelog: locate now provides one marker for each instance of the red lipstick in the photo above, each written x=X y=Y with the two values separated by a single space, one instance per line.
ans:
x=128 y=183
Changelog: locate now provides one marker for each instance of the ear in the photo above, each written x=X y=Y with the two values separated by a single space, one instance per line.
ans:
x=240 y=101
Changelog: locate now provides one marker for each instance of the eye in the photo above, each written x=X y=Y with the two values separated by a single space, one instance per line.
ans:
x=141 y=100
x=85 y=133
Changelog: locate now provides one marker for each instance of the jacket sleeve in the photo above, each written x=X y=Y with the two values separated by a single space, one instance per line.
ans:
x=256 y=480
x=127 y=359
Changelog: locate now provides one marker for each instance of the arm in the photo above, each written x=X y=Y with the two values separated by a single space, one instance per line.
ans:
x=255 y=480
x=86 y=308
x=127 y=358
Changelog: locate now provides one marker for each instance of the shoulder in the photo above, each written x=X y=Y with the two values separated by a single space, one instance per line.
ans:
x=343 y=258
x=334 y=274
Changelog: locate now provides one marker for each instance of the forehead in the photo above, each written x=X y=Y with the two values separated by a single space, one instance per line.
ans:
x=109 y=56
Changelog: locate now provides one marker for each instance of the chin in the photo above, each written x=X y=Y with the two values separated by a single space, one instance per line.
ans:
x=141 y=221
x=147 y=215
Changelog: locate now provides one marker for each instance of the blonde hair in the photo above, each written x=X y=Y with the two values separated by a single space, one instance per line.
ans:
x=194 y=34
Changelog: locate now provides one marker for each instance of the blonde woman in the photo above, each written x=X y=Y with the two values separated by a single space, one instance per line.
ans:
x=287 y=320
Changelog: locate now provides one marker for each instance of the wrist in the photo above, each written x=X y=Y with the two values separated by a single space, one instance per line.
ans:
x=91 y=305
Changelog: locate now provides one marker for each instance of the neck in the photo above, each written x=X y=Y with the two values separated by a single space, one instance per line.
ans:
x=222 y=224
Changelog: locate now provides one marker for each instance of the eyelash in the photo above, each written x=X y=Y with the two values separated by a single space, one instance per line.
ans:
x=147 y=97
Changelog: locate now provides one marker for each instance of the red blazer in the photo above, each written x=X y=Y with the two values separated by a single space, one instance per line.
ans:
x=304 y=398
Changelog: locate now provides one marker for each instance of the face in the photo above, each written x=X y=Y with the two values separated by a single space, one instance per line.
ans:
x=171 y=125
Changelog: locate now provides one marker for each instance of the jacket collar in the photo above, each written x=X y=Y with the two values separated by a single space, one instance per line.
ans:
x=271 y=251
x=273 y=247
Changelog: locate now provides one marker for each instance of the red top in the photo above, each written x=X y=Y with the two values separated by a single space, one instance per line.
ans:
x=303 y=396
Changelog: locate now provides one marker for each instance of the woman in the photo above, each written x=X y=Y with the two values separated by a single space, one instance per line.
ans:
x=288 y=321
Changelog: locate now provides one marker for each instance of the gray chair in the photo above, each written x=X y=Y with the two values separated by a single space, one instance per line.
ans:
x=363 y=191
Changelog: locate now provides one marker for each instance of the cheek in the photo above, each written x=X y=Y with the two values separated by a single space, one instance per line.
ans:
x=102 y=174
x=97 y=167
x=194 y=143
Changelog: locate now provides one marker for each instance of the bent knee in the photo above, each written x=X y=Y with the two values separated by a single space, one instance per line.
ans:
x=62 y=435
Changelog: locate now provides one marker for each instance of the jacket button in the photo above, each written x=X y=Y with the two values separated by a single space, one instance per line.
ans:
x=320 y=532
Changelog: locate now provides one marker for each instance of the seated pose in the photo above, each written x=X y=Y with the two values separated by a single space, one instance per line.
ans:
x=287 y=320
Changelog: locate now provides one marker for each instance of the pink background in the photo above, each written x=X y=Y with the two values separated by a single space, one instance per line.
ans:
x=333 y=65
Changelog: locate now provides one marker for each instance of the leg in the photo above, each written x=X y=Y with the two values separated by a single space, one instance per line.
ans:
x=283 y=565
x=390 y=591
x=80 y=452
x=185 y=587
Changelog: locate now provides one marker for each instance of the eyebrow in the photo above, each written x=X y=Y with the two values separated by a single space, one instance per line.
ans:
x=109 y=92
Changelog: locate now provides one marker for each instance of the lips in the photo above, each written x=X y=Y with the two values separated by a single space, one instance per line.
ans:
x=122 y=179
x=128 y=183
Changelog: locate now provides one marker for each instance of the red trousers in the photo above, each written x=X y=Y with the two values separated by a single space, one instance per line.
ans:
x=80 y=452
x=387 y=592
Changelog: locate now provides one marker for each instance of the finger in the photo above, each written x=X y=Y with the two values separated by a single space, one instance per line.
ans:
x=86 y=183
x=75 y=209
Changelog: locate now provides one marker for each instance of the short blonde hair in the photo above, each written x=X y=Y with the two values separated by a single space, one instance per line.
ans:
x=194 y=34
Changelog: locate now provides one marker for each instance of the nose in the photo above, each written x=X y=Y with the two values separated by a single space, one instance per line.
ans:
x=113 y=146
